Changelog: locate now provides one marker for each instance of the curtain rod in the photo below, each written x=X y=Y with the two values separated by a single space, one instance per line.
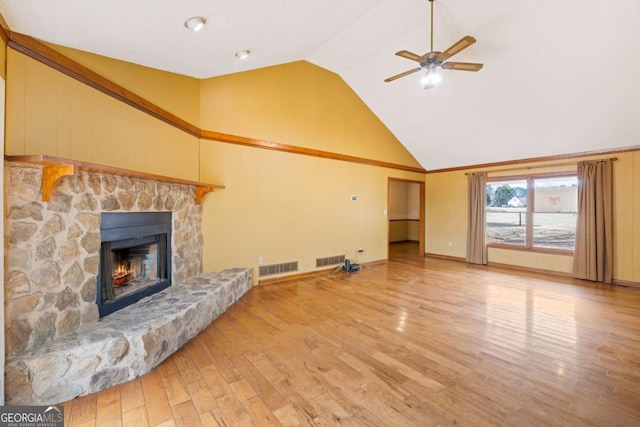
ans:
x=613 y=159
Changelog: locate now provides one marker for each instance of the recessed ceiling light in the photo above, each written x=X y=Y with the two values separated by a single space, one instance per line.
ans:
x=195 y=23
x=243 y=54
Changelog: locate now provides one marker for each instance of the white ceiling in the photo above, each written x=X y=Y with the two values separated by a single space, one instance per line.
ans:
x=559 y=77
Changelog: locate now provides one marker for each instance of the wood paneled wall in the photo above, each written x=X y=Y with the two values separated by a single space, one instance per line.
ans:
x=52 y=114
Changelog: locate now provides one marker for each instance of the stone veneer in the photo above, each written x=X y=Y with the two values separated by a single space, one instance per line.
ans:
x=52 y=248
x=124 y=345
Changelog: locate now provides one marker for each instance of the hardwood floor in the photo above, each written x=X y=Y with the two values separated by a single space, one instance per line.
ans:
x=412 y=342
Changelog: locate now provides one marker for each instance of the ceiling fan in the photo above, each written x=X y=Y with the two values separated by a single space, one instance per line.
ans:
x=433 y=60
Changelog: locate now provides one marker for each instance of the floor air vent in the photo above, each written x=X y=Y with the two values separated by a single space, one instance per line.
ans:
x=328 y=261
x=286 y=267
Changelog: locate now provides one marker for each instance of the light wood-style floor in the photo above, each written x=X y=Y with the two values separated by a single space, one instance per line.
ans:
x=412 y=342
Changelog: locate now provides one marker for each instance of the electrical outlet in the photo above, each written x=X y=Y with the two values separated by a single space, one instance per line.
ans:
x=360 y=250
x=384 y=212
x=354 y=198
x=450 y=244
x=260 y=260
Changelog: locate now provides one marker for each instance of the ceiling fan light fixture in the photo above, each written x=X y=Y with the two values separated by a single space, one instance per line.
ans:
x=431 y=79
x=195 y=23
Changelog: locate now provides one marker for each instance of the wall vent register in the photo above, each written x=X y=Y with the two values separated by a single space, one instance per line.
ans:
x=329 y=261
x=286 y=267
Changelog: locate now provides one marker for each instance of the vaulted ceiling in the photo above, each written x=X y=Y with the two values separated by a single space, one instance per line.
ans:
x=559 y=77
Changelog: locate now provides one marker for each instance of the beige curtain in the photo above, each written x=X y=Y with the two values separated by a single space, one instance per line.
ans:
x=593 y=255
x=476 y=247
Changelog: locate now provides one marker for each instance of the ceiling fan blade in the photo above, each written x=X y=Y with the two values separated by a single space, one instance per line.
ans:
x=461 y=44
x=406 y=73
x=409 y=55
x=462 y=66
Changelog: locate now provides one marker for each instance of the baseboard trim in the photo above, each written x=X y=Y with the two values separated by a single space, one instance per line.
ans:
x=617 y=282
x=531 y=270
x=294 y=276
x=286 y=278
x=626 y=283
x=501 y=265
x=378 y=262
x=447 y=257
x=306 y=274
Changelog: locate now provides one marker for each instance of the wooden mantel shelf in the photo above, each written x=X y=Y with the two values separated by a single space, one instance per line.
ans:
x=55 y=168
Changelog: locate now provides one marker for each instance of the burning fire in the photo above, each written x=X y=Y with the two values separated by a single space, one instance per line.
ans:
x=122 y=275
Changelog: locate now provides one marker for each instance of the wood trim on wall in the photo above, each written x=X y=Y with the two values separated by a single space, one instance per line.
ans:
x=55 y=168
x=48 y=56
x=4 y=29
x=538 y=159
x=446 y=257
x=270 y=145
x=530 y=269
x=546 y=272
x=626 y=283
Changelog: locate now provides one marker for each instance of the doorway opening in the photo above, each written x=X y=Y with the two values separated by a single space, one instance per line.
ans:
x=405 y=214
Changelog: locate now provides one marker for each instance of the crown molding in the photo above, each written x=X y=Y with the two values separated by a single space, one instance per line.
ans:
x=5 y=32
x=270 y=145
x=538 y=159
x=54 y=59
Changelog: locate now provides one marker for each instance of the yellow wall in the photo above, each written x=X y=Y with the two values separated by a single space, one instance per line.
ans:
x=298 y=104
x=180 y=95
x=3 y=60
x=285 y=207
x=398 y=231
x=446 y=219
x=445 y=214
x=626 y=225
x=53 y=114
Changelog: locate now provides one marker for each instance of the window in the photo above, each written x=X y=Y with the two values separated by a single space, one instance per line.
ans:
x=536 y=212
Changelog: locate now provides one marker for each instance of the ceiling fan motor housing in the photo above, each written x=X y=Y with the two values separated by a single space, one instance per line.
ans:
x=431 y=60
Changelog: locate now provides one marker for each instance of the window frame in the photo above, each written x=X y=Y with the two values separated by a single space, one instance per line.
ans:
x=528 y=245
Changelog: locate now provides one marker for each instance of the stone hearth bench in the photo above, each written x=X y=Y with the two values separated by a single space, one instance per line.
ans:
x=123 y=345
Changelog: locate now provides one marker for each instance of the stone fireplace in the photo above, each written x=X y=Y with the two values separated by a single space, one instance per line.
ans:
x=64 y=220
x=53 y=253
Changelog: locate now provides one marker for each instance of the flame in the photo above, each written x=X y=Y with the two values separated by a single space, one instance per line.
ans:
x=122 y=270
x=123 y=274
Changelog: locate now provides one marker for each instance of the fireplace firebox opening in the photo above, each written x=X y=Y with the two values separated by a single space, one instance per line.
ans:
x=135 y=258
